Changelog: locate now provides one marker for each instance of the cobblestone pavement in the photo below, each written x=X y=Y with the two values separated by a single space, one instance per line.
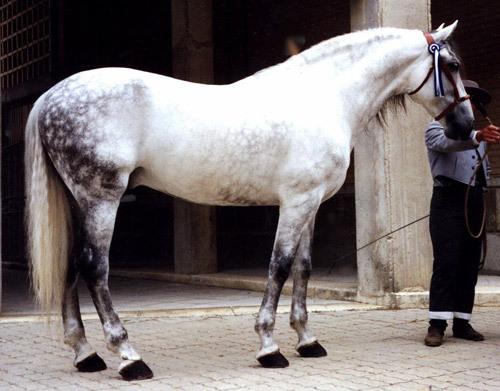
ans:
x=367 y=350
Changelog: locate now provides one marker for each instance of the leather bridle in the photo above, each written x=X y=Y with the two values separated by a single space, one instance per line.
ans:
x=437 y=66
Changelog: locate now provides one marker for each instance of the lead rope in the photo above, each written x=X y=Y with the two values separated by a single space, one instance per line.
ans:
x=376 y=240
x=483 y=223
x=481 y=232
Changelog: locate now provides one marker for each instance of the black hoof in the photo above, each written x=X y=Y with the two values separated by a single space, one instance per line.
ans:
x=275 y=360
x=314 y=350
x=138 y=370
x=92 y=363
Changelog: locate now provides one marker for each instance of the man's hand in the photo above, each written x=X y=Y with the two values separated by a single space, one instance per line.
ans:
x=489 y=134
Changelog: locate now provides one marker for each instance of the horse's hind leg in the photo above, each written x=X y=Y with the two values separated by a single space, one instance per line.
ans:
x=308 y=345
x=98 y=218
x=86 y=358
x=294 y=218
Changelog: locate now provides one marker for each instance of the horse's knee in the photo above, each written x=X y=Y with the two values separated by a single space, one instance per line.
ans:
x=280 y=268
x=302 y=268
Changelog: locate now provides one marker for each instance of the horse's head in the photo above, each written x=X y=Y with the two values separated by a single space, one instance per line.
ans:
x=440 y=89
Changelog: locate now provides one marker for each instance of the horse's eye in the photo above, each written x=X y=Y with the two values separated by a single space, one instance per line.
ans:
x=454 y=66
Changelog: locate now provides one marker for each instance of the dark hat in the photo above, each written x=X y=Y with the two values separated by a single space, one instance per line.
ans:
x=477 y=94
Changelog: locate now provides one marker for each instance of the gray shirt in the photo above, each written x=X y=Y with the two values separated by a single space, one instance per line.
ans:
x=455 y=159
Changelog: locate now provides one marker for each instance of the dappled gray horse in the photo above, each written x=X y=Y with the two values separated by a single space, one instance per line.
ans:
x=280 y=137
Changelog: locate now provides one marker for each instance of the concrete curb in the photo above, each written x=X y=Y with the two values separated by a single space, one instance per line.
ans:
x=325 y=290
x=486 y=296
x=199 y=312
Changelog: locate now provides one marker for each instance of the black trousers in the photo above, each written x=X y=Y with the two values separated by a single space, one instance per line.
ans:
x=456 y=253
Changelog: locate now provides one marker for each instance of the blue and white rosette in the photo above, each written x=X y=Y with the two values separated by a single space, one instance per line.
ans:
x=434 y=49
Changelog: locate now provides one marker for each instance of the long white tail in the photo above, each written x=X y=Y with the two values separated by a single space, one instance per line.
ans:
x=48 y=220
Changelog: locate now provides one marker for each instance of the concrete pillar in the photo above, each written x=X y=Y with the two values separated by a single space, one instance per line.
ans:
x=195 y=241
x=1 y=207
x=392 y=178
x=195 y=249
x=192 y=41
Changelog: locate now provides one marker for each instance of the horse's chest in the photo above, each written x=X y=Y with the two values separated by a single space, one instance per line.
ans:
x=334 y=168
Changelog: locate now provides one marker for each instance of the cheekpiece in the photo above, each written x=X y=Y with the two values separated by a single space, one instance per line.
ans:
x=435 y=50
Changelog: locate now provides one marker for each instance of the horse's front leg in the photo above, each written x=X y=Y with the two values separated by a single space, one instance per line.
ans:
x=308 y=345
x=294 y=218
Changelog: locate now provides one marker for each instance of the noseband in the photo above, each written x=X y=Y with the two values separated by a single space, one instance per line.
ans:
x=438 y=66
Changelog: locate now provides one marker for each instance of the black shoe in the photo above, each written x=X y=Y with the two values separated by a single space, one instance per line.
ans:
x=434 y=336
x=465 y=331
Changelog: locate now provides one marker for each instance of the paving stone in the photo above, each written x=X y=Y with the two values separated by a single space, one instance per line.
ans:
x=195 y=368
x=367 y=350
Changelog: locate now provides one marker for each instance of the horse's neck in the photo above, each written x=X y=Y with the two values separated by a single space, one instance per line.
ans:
x=378 y=75
x=364 y=70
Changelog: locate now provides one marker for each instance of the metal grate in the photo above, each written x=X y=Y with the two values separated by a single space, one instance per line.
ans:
x=15 y=122
x=13 y=204
x=25 y=41
x=13 y=183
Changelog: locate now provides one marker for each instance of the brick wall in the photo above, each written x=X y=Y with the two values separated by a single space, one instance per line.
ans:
x=478 y=36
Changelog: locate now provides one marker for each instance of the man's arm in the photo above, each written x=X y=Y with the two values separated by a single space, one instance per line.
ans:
x=489 y=134
x=436 y=140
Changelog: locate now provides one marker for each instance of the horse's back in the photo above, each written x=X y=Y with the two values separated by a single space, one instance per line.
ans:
x=207 y=144
x=117 y=105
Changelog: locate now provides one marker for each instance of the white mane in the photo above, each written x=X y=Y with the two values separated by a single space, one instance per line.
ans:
x=342 y=50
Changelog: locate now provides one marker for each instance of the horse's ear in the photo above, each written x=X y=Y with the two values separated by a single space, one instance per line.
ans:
x=443 y=33
x=440 y=27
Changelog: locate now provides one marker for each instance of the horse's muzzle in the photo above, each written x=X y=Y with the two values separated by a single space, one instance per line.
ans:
x=458 y=125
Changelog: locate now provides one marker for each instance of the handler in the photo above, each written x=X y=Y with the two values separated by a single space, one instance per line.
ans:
x=456 y=252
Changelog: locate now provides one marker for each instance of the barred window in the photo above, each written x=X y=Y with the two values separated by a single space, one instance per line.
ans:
x=15 y=123
x=25 y=41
